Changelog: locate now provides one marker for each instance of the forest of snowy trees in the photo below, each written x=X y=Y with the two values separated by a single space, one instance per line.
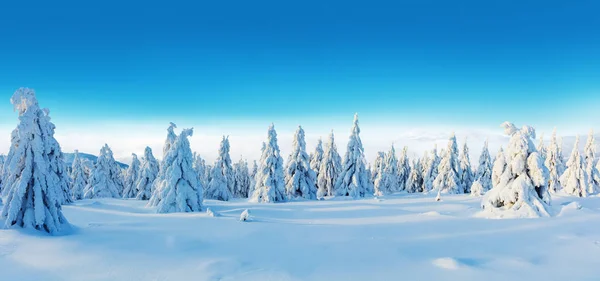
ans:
x=517 y=181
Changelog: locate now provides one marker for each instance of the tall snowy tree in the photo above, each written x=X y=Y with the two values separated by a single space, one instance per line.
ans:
x=300 y=179
x=522 y=190
x=449 y=171
x=148 y=173
x=221 y=184
x=554 y=164
x=354 y=179
x=270 y=184
x=415 y=178
x=79 y=177
x=329 y=170
x=316 y=158
x=105 y=178
x=177 y=188
x=224 y=160
x=466 y=177
x=575 y=179
x=131 y=178
x=242 y=179
x=35 y=179
x=403 y=170
x=2 y=160
x=253 y=172
x=171 y=136
x=483 y=177
x=430 y=170
x=590 y=164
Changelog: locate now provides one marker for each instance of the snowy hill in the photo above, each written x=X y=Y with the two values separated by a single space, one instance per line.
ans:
x=91 y=158
x=398 y=237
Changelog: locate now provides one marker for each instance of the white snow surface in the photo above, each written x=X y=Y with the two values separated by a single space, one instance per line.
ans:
x=408 y=235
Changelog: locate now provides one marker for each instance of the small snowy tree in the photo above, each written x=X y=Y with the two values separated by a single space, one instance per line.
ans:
x=221 y=176
x=242 y=179
x=329 y=170
x=35 y=176
x=466 y=177
x=403 y=170
x=430 y=170
x=499 y=167
x=131 y=178
x=590 y=164
x=483 y=177
x=377 y=166
x=541 y=148
x=300 y=180
x=224 y=160
x=378 y=175
x=270 y=185
x=105 y=178
x=522 y=189
x=415 y=179
x=2 y=160
x=575 y=179
x=148 y=172
x=387 y=178
x=79 y=177
x=554 y=164
x=353 y=179
x=316 y=158
x=177 y=186
x=200 y=168
x=449 y=171
x=253 y=172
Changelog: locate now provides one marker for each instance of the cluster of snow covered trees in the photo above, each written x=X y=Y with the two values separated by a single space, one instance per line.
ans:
x=517 y=181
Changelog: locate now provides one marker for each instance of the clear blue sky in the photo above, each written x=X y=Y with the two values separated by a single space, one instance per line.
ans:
x=470 y=62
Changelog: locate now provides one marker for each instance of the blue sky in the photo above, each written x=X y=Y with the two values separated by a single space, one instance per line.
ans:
x=458 y=63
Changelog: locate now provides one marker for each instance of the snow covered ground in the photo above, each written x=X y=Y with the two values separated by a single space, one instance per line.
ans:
x=399 y=237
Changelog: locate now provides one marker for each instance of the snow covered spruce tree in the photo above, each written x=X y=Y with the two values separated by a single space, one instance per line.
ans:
x=575 y=179
x=430 y=170
x=403 y=170
x=177 y=188
x=387 y=178
x=79 y=177
x=148 y=173
x=330 y=168
x=590 y=164
x=270 y=184
x=35 y=179
x=221 y=184
x=466 y=177
x=200 y=168
x=377 y=166
x=105 y=179
x=2 y=160
x=300 y=179
x=522 y=190
x=171 y=136
x=242 y=179
x=449 y=171
x=483 y=177
x=253 y=172
x=354 y=179
x=498 y=167
x=554 y=164
x=541 y=147
x=415 y=178
x=131 y=178
x=316 y=158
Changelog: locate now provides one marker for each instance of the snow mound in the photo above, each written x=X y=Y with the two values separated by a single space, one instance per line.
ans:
x=569 y=208
x=447 y=263
x=210 y=213
x=245 y=216
x=432 y=213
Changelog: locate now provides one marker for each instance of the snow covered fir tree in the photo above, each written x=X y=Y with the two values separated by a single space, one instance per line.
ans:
x=242 y=179
x=466 y=177
x=35 y=177
x=177 y=188
x=330 y=168
x=300 y=179
x=222 y=181
x=591 y=164
x=354 y=180
x=403 y=170
x=149 y=169
x=270 y=182
x=415 y=178
x=105 y=178
x=521 y=190
x=387 y=176
x=131 y=178
x=316 y=158
x=554 y=163
x=79 y=177
x=575 y=178
x=483 y=177
x=430 y=168
x=448 y=179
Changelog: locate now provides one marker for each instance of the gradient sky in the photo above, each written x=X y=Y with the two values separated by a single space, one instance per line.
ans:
x=467 y=64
